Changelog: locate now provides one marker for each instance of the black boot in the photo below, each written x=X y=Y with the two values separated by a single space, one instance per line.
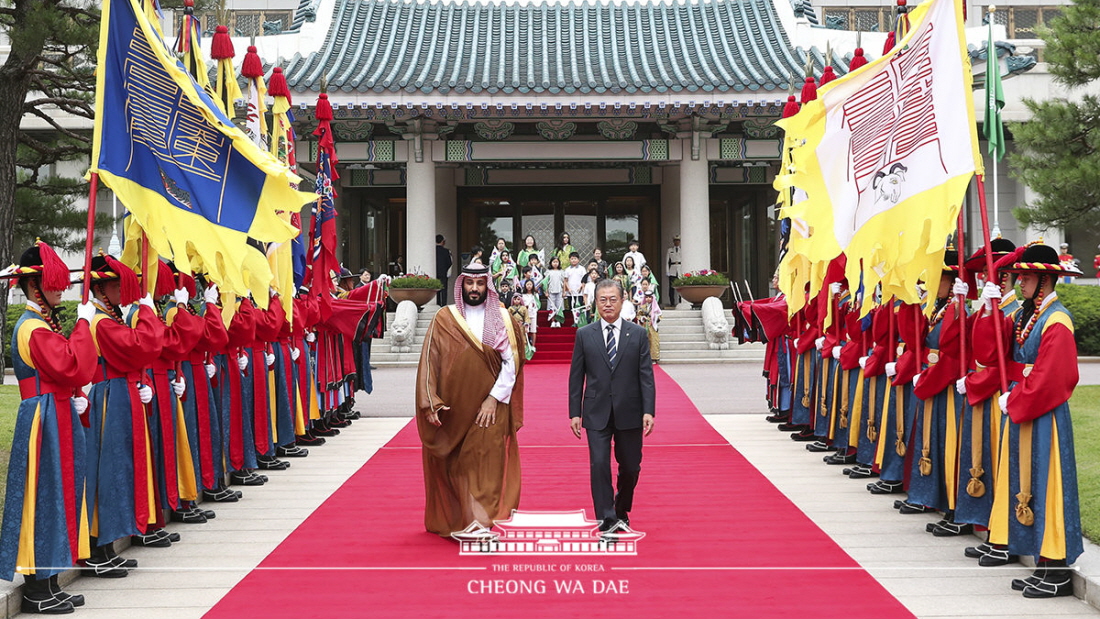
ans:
x=55 y=589
x=1056 y=582
x=1019 y=584
x=104 y=563
x=38 y=599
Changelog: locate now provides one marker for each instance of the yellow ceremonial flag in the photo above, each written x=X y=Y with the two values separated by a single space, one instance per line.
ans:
x=193 y=181
x=884 y=156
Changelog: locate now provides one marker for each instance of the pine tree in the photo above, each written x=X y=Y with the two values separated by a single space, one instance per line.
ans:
x=1058 y=150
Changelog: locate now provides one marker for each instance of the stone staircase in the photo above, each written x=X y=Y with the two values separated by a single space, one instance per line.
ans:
x=682 y=341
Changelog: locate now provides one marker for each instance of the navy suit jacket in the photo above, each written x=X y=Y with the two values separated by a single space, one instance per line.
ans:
x=597 y=391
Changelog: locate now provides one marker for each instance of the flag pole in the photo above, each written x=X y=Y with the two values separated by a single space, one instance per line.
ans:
x=996 y=232
x=90 y=240
x=998 y=324
x=960 y=307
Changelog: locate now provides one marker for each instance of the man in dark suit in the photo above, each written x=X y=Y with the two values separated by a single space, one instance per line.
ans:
x=443 y=264
x=611 y=395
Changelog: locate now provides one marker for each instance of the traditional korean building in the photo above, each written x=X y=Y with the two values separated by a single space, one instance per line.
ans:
x=545 y=533
x=607 y=121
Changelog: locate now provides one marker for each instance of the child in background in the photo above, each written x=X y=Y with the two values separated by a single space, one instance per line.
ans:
x=648 y=315
x=518 y=309
x=647 y=275
x=574 y=285
x=535 y=273
x=555 y=289
x=633 y=277
x=590 y=295
x=531 y=300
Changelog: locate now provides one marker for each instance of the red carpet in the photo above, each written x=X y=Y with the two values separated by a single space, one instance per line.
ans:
x=554 y=345
x=721 y=540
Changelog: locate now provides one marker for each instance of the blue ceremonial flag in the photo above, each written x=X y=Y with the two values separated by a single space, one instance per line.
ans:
x=194 y=182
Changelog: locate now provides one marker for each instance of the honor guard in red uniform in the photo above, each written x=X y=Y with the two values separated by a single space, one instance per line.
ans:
x=46 y=469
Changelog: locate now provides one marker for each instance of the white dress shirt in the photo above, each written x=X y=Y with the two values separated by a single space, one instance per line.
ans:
x=506 y=380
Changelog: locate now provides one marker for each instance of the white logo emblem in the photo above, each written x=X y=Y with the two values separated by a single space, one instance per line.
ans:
x=547 y=533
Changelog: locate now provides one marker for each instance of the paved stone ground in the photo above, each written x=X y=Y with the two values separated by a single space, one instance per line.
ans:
x=929 y=575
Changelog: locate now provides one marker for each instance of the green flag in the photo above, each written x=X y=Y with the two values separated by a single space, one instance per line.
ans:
x=992 y=128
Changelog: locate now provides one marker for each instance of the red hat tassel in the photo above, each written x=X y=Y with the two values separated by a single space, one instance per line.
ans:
x=55 y=273
x=130 y=288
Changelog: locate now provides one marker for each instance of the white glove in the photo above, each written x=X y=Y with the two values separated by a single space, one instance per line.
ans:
x=211 y=369
x=295 y=353
x=834 y=288
x=311 y=337
x=147 y=301
x=1003 y=402
x=990 y=292
x=80 y=404
x=210 y=295
x=863 y=362
x=269 y=358
x=180 y=296
x=836 y=352
x=242 y=362
x=915 y=379
x=85 y=311
x=179 y=386
x=960 y=386
x=145 y=394
x=819 y=343
x=960 y=287
x=891 y=369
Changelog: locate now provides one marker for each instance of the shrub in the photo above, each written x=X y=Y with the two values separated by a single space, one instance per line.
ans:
x=704 y=277
x=1084 y=303
x=415 y=281
x=15 y=310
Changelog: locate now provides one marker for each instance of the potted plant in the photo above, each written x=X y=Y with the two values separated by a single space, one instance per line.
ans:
x=415 y=287
x=696 y=286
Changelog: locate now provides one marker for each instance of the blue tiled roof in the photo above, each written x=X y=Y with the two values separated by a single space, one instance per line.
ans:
x=440 y=46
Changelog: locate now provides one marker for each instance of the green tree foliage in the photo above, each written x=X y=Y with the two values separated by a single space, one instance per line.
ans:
x=1058 y=150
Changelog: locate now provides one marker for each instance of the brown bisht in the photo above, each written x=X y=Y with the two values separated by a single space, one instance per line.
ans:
x=470 y=473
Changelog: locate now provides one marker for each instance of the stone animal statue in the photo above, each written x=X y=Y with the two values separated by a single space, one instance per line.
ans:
x=715 y=325
x=403 y=329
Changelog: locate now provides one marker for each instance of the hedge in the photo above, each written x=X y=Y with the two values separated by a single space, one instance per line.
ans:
x=1084 y=303
x=15 y=310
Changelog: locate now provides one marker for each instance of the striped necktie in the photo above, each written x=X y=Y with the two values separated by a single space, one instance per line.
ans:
x=611 y=348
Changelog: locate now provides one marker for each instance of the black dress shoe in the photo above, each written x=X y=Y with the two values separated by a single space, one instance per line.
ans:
x=269 y=463
x=121 y=561
x=840 y=458
x=220 y=495
x=172 y=537
x=320 y=430
x=104 y=568
x=1019 y=584
x=188 y=516
x=898 y=503
x=778 y=418
x=931 y=526
x=997 y=557
x=309 y=440
x=76 y=600
x=803 y=436
x=337 y=422
x=818 y=447
x=885 y=487
x=209 y=513
x=291 y=451
x=978 y=551
x=246 y=478
x=47 y=606
x=1057 y=583
x=862 y=472
x=789 y=427
x=151 y=540
x=952 y=529
x=912 y=508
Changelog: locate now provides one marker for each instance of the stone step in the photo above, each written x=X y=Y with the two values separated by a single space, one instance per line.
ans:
x=698 y=345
